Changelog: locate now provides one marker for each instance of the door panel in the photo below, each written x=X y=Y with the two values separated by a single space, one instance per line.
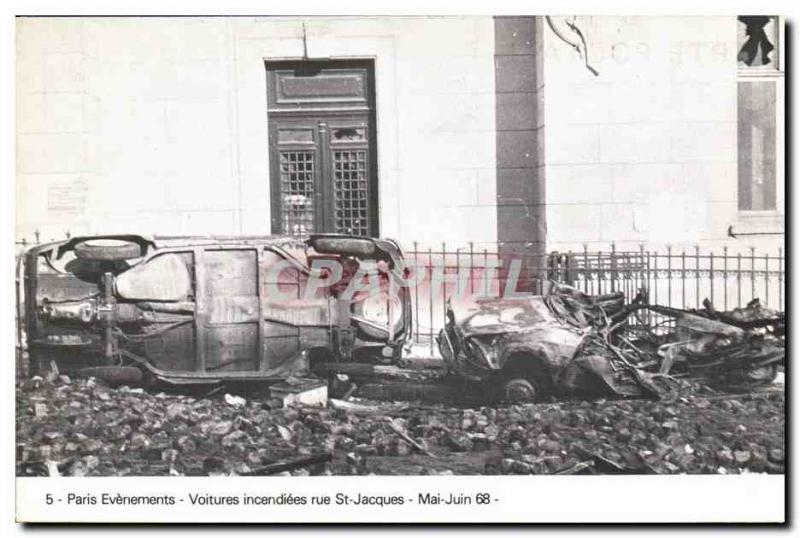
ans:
x=288 y=314
x=173 y=346
x=231 y=310
x=314 y=84
x=318 y=83
x=231 y=348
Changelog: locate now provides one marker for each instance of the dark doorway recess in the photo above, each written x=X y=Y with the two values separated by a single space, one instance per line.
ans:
x=322 y=150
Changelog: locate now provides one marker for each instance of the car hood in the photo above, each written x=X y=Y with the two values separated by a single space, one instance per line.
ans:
x=503 y=316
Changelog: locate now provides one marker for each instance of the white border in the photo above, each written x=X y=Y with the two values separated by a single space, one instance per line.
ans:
x=507 y=499
x=791 y=9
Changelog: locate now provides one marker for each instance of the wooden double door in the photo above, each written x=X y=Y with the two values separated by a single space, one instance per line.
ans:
x=322 y=150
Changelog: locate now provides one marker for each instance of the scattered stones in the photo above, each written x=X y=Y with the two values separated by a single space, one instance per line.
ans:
x=725 y=457
x=88 y=429
x=39 y=409
x=741 y=456
x=776 y=455
x=458 y=441
x=236 y=401
x=217 y=428
x=176 y=410
x=235 y=438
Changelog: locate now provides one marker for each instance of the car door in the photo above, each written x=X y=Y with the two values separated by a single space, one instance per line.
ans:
x=292 y=319
x=228 y=314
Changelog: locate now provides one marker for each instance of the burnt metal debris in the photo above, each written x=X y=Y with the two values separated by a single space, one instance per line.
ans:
x=566 y=343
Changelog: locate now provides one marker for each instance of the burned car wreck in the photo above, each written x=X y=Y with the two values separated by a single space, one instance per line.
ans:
x=569 y=343
x=198 y=310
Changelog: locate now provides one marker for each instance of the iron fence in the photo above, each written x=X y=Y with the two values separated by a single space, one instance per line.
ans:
x=675 y=278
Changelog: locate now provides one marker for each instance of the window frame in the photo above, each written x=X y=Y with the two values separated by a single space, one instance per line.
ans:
x=777 y=77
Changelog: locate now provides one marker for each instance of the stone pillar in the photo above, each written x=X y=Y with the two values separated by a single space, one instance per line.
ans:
x=519 y=122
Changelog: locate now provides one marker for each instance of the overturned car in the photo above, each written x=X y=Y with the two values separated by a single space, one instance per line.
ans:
x=569 y=343
x=195 y=310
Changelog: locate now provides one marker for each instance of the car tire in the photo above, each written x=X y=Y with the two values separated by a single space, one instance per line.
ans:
x=525 y=379
x=521 y=390
x=763 y=375
x=370 y=332
x=111 y=250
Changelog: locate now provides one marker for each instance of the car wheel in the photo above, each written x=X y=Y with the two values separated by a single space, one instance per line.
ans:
x=368 y=308
x=111 y=250
x=525 y=379
x=761 y=375
x=521 y=390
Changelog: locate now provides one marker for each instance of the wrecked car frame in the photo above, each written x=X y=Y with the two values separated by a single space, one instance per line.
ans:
x=567 y=343
x=198 y=309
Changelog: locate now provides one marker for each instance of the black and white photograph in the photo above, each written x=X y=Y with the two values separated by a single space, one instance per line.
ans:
x=340 y=246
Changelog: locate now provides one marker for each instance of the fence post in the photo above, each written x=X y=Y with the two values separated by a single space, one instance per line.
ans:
x=458 y=264
x=669 y=275
x=444 y=292
x=683 y=278
x=642 y=272
x=739 y=280
x=600 y=273
x=655 y=276
x=613 y=267
x=586 y=271
x=430 y=299
x=711 y=275
x=568 y=271
x=486 y=280
x=416 y=290
x=697 y=276
x=471 y=268
x=725 y=277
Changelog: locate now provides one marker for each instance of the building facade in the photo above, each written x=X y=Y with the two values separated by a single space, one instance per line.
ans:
x=520 y=134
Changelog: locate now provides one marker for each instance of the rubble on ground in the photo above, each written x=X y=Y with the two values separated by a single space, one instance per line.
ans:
x=742 y=347
x=570 y=343
x=78 y=427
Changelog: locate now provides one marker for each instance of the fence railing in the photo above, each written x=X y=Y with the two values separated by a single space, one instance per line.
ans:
x=676 y=278
x=670 y=277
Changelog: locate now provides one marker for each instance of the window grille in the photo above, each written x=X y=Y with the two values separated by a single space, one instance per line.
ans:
x=297 y=191
x=351 y=195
